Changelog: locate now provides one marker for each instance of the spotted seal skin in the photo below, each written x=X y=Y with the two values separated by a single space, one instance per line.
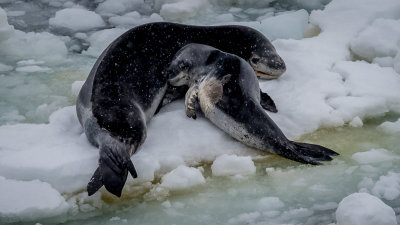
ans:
x=227 y=91
x=128 y=83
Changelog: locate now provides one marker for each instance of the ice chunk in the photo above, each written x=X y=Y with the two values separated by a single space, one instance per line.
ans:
x=5 y=68
x=270 y=203
x=101 y=39
x=183 y=9
x=390 y=127
x=5 y=29
x=182 y=177
x=380 y=39
x=134 y=19
x=39 y=46
x=33 y=69
x=374 y=156
x=29 y=200
x=387 y=187
x=76 y=19
x=113 y=7
x=356 y=122
x=364 y=209
x=229 y=165
x=76 y=87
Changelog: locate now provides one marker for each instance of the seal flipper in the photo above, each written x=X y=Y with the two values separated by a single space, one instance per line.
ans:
x=307 y=153
x=95 y=183
x=191 y=100
x=267 y=103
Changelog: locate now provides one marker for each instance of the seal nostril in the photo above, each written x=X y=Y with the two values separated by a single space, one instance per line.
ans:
x=255 y=60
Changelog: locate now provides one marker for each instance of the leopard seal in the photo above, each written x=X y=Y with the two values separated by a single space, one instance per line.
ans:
x=227 y=91
x=127 y=84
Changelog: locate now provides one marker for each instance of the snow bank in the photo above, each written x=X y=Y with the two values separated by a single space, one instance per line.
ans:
x=76 y=19
x=29 y=200
x=182 y=177
x=380 y=39
x=390 y=127
x=288 y=25
x=63 y=157
x=374 y=156
x=231 y=165
x=364 y=209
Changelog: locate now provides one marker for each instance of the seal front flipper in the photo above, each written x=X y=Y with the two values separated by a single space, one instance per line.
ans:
x=267 y=103
x=191 y=100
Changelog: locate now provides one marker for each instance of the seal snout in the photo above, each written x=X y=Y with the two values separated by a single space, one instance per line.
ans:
x=267 y=67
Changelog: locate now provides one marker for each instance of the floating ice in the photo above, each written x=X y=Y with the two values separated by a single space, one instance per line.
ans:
x=76 y=19
x=183 y=9
x=230 y=165
x=29 y=200
x=364 y=209
x=117 y=7
x=390 y=127
x=33 y=69
x=134 y=19
x=182 y=177
x=356 y=122
x=270 y=203
x=388 y=186
x=373 y=156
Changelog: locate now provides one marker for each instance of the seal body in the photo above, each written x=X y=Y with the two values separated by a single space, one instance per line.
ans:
x=227 y=91
x=128 y=82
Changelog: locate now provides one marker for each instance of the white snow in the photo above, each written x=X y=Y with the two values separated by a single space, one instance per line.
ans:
x=364 y=209
x=374 y=156
x=231 y=165
x=76 y=19
x=380 y=39
x=182 y=177
x=29 y=200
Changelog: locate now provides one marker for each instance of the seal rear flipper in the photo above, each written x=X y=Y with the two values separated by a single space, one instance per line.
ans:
x=307 y=153
x=95 y=183
x=267 y=103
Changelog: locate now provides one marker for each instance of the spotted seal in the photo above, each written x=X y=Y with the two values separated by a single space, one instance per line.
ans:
x=227 y=91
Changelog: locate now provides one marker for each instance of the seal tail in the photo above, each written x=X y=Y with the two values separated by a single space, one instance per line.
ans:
x=308 y=153
x=112 y=172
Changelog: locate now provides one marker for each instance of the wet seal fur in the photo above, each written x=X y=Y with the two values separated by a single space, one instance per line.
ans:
x=128 y=83
x=227 y=91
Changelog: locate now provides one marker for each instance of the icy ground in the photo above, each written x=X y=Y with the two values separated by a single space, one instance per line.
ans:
x=341 y=90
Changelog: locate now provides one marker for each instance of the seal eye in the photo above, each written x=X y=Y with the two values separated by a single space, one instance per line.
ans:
x=255 y=60
x=184 y=65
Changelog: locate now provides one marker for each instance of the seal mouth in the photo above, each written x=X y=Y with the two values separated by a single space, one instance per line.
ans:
x=268 y=76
